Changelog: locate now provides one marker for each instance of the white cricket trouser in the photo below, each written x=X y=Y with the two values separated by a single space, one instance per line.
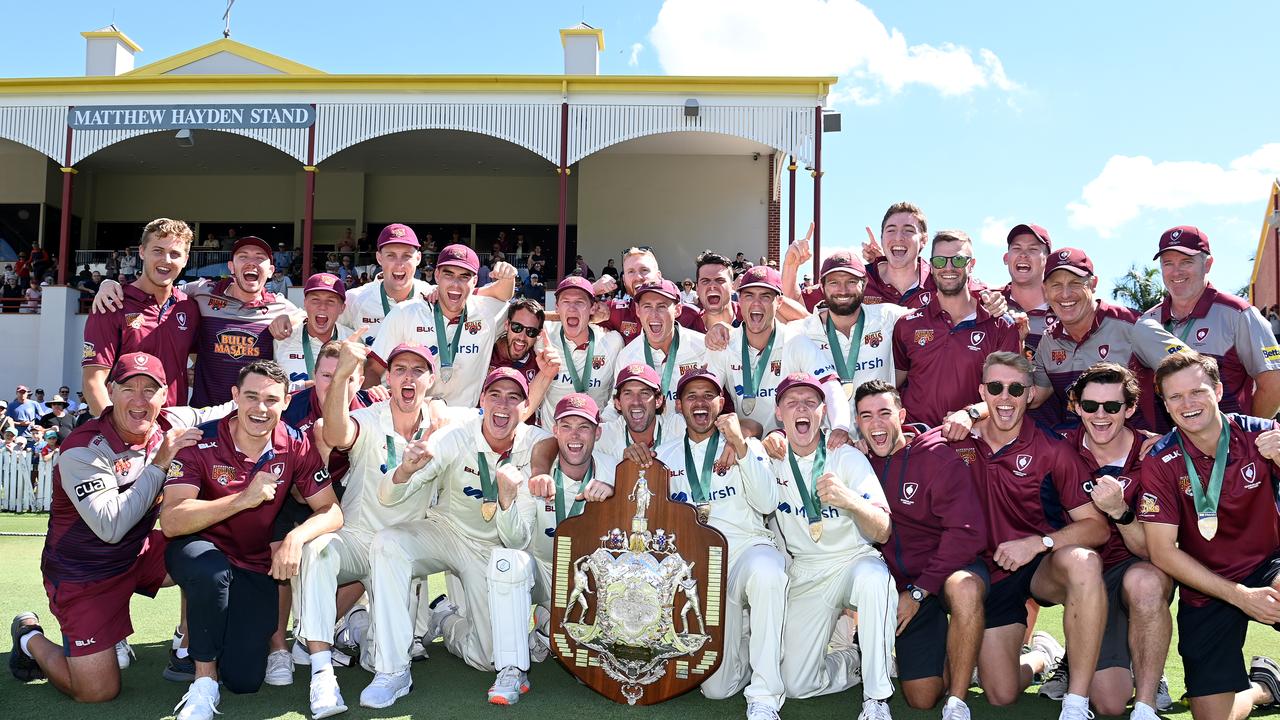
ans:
x=328 y=561
x=815 y=599
x=417 y=549
x=757 y=590
x=517 y=581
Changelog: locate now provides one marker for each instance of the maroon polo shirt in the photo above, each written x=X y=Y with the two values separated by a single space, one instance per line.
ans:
x=217 y=469
x=1026 y=487
x=303 y=412
x=624 y=320
x=880 y=290
x=168 y=331
x=1114 y=551
x=938 y=523
x=945 y=358
x=1248 y=523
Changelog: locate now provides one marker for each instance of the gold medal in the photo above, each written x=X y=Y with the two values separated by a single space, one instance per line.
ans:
x=704 y=512
x=1207 y=522
x=849 y=389
x=815 y=530
x=488 y=509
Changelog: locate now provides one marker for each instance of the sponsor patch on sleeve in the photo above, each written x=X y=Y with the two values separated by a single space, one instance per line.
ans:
x=1148 y=505
x=175 y=469
x=1271 y=353
x=89 y=487
x=89 y=351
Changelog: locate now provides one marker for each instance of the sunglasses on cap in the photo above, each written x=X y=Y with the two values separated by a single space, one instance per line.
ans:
x=957 y=261
x=637 y=249
x=1112 y=407
x=528 y=330
x=995 y=387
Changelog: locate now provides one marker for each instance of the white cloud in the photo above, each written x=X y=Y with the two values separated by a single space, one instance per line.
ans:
x=841 y=37
x=1129 y=185
x=995 y=231
x=636 y=49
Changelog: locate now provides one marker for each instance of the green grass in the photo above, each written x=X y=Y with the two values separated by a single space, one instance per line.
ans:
x=444 y=686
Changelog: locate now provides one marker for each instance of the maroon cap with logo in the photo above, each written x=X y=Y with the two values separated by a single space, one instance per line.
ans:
x=506 y=373
x=1186 y=239
x=700 y=373
x=576 y=282
x=1070 y=259
x=251 y=241
x=398 y=233
x=666 y=288
x=326 y=282
x=761 y=276
x=1028 y=229
x=459 y=256
x=139 y=363
x=580 y=404
x=797 y=380
x=843 y=261
x=639 y=372
x=421 y=351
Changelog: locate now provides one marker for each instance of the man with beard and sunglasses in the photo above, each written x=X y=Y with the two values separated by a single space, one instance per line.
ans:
x=1042 y=528
x=461 y=465
x=588 y=354
x=734 y=498
x=664 y=345
x=521 y=346
x=944 y=344
x=324 y=299
x=830 y=510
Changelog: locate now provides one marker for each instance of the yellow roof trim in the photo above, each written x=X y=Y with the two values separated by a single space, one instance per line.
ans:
x=1273 y=201
x=227 y=45
x=113 y=34
x=597 y=32
x=321 y=82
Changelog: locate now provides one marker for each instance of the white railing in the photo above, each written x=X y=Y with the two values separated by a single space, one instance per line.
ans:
x=26 y=483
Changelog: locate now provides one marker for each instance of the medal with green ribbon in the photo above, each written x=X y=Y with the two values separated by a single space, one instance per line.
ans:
x=750 y=384
x=1206 y=500
x=450 y=348
x=392 y=462
x=307 y=355
x=700 y=485
x=669 y=366
x=576 y=509
x=489 y=506
x=580 y=381
x=657 y=433
x=812 y=507
x=846 y=366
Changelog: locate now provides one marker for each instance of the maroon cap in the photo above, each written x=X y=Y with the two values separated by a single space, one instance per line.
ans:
x=421 y=351
x=1028 y=229
x=641 y=373
x=666 y=288
x=842 y=261
x=761 y=276
x=326 y=282
x=579 y=404
x=1071 y=259
x=459 y=256
x=22 y=388
x=398 y=233
x=797 y=380
x=251 y=241
x=700 y=373
x=506 y=373
x=576 y=282
x=1185 y=239
x=139 y=363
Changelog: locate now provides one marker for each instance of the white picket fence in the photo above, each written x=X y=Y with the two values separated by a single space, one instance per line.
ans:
x=19 y=491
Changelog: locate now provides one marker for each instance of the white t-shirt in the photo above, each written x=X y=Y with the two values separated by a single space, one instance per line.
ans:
x=364 y=306
x=691 y=354
x=602 y=365
x=792 y=352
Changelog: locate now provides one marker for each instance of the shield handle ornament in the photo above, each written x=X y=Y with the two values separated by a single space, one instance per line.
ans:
x=637 y=602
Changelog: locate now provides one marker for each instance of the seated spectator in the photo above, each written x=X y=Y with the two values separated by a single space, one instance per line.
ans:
x=345 y=271
x=362 y=242
x=31 y=305
x=364 y=278
x=347 y=244
x=5 y=420
x=279 y=282
x=611 y=270
x=12 y=294
x=58 y=419
x=210 y=242
x=534 y=289
x=331 y=263
x=688 y=295
x=740 y=264
x=583 y=268
x=9 y=273
x=89 y=285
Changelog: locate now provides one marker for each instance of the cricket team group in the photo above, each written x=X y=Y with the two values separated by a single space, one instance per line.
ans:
x=906 y=462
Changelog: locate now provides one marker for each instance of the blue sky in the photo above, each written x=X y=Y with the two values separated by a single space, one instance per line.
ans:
x=1105 y=122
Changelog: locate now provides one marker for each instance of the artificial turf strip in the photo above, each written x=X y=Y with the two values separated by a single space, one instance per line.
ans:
x=444 y=687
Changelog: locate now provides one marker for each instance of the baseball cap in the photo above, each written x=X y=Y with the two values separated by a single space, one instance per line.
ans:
x=23 y=388
x=397 y=233
x=575 y=282
x=579 y=404
x=326 y=282
x=665 y=288
x=139 y=363
x=251 y=241
x=459 y=256
x=697 y=374
x=797 y=380
x=842 y=261
x=641 y=373
x=762 y=276
x=421 y=351
x=506 y=373
x=1070 y=259
x=1028 y=229
x=1186 y=239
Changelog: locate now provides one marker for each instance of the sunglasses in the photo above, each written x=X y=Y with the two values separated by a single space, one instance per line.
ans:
x=1113 y=407
x=995 y=387
x=957 y=261
x=528 y=330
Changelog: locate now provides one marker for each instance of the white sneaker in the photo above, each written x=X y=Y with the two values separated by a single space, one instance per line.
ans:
x=302 y=656
x=1075 y=707
x=326 y=699
x=875 y=710
x=441 y=608
x=955 y=709
x=418 y=650
x=511 y=683
x=539 y=643
x=124 y=654
x=1143 y=711
x=279 y=668
x=352 y=630
x=1164 y=701
x=760 y=711
x=386 y=688
x=200 y=702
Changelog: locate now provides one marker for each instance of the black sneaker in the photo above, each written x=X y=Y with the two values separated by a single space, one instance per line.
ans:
x=1265 y=672
x=182 y=670
x=23 y=666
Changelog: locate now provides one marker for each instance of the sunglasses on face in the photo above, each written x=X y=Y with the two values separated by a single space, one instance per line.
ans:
x=1113 y=407
x=957 y=261
x=995 y=387
x=528 y=330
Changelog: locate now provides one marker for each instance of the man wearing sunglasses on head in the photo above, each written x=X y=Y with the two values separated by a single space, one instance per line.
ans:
x=639 y=267
x=1026 y=479
x=944 y=343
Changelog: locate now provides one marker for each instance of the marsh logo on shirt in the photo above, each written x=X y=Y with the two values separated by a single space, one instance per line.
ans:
x=222 y=474
x=1103 y=351
x=923 y=337
x=873 y=339
x=237 y=344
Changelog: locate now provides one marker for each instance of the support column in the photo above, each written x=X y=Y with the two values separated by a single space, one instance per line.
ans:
x=1275 y=246
x=64 y=231
x=791 y=201
x=817 y=190
x=773 y=233
x=309 y=202
x=562 y=233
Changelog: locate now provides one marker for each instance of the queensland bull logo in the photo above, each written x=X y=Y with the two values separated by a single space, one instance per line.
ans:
x=222 y=474
x=397 y=232
x=121 y=466
x=923 y=337
x=133 y=320
x=237 y=344
x=473 y=327
x=597 y=362
x=1058 y=356
x=968 y=455
x=873 y=339
x=775 y=367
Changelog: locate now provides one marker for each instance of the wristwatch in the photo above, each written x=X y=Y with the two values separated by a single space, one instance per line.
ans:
x=973 y=413
x=1048 y=543
x=1127 y=518
x=918 y=594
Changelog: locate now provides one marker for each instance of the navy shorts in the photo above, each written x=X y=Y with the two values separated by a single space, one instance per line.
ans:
x=1007 y=599
x=922 y=647
x=1211 y=639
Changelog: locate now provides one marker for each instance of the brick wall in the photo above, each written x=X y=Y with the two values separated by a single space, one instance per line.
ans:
x=773 y=233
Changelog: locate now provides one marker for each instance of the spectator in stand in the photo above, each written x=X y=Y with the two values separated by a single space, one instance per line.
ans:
x=345 y=271
x=210 y=242
x=688 y=295
x=535 y=256
x=6 y=422
x=112 y=265
x=9 y=273
x=38 y=397
x=23 y=410
x=47 y=446
x=739 y=264
x=534 y=289
x=32 y=295
x=11 y=294
x=72 y=405
x=610 y=269
x=482 y=277
x=583 y=268
x=13 y=442
x=346 y=245
x=362 y=242
x=81 y=406
x=22 y=268
x=364 y=278
x=279 y=282
x=283 y=258
x=89 y=283
x=129 y=264
x=230 y=239
x=331 y=263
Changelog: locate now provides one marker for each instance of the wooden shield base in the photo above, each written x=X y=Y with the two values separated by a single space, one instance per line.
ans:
x=699 y=544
